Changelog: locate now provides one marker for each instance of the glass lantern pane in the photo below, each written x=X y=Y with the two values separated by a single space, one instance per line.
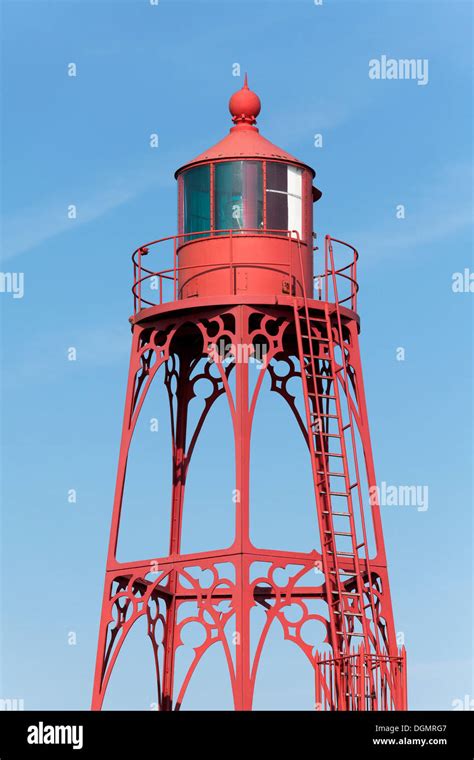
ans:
x=197 y=208
x=295 y=215
x=277 y=176
x=284 y=197
x=277 y=211
x=238 y=195
x=294 y=181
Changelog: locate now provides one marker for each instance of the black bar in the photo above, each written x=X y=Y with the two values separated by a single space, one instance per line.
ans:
x=117 y=735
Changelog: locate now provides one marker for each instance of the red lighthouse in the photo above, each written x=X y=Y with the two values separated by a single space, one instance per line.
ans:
x=237 y=283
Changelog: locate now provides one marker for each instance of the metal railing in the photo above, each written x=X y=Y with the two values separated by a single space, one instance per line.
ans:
x=164 y=282
x=162 y=278
x=361 y=681
x=340 y=283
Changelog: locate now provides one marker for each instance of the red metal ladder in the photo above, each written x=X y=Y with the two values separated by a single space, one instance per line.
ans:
x=318 y=366
x=348 y=577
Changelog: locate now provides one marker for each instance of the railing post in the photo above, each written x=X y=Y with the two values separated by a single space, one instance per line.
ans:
x=403 y=680
x=317 y=684
x=354 y=283
x=174 y=268
x=231 y=264
x=134 y=287
x=139 y=279
x=360 y=657
x=334 y=275
x=290 y=268
x=326 y=274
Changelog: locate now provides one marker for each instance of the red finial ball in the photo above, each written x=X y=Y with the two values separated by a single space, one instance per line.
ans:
x=244 y=105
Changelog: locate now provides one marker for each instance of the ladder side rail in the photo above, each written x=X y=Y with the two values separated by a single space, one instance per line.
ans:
x=354 y=446
x=331 y=603
x=357 y=473
x=345 y=467
x=316 y=479
x=355 y=547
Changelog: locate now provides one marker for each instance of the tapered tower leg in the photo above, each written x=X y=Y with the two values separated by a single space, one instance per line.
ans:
x=242 y=465
x=107 y=633
x=177 y=504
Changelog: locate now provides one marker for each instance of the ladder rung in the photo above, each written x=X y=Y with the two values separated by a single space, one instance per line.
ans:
x=347 y=593
x=315 y=337
x=337 y=514
x=344 y=554
x=350 y=634
x=320 y=395
x=342 y=572
x=334 y=474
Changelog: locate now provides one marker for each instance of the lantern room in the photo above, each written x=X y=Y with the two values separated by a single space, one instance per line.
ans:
x=245 y=216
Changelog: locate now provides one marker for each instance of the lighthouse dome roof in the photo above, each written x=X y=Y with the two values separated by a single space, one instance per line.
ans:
x=244 y=140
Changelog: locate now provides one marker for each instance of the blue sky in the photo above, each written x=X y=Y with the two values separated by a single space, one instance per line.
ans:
x=84 y=140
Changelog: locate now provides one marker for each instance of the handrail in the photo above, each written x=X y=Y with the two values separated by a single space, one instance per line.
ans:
x=209 y=234
x=345 y=274
x=141 y=273
x=333 y=273
x=387 y=671
x=354 y=287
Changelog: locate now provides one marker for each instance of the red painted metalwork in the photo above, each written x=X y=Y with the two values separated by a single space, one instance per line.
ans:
x=254 y=288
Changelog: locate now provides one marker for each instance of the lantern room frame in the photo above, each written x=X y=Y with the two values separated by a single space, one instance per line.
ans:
x=309 y=196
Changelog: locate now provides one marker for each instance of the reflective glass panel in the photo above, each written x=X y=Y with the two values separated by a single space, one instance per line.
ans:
x=197 y=208
x=284 y=197
x=238 y=195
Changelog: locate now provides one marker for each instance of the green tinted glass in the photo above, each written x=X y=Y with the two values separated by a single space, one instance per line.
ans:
x=197 y=210
x=238 y=196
